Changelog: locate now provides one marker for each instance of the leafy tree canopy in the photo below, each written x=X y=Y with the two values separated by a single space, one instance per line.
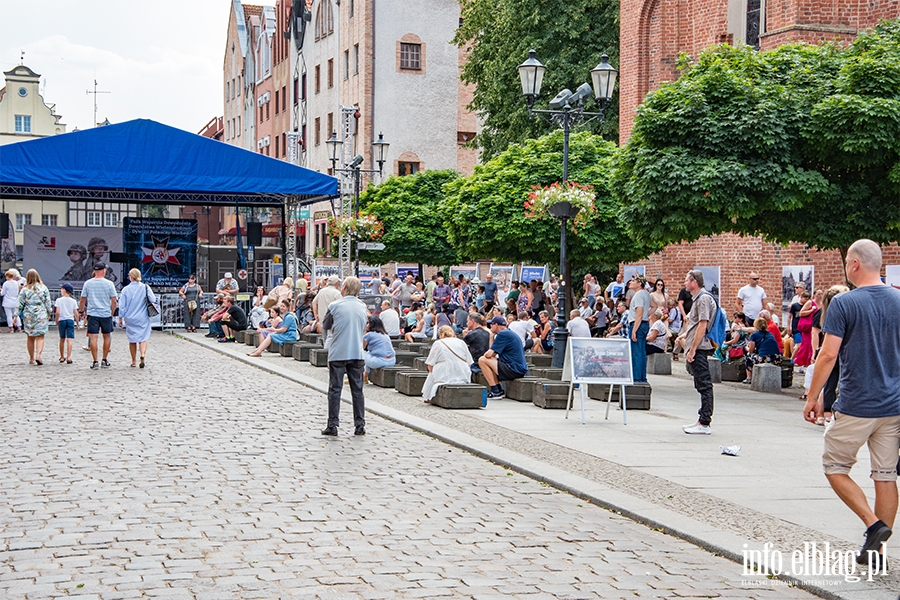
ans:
x=485 y=214
x=408 y=208
x=568 y=36
x=800 y=143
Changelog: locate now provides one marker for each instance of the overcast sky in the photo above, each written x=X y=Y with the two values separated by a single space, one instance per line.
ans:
x=160 y=59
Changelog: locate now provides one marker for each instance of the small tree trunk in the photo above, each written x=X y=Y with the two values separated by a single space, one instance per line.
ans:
x=422 y=272
x=844 y=250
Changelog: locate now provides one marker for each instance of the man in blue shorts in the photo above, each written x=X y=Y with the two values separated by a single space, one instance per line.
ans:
x=99 y=295
x=861 y=327
x=505 y=360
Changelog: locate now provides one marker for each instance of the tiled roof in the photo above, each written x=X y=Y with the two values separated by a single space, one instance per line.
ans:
x=252 y=10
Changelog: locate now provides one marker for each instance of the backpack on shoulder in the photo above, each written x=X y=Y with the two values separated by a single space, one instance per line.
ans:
x=718 y=327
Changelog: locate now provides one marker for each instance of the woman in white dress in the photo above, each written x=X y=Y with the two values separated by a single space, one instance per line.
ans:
x=133 y=315
x=10 y=293
x=449 y=362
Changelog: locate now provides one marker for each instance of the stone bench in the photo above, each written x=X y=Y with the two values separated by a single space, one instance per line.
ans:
x=546 y=373
x=734 y=371
x=521 y=390
x=766 y=378
x=412 y=346
x=638 y=395
x=274 y=347
x=419 y=364
x=301 y=351
x=385 y=377
x=396 y=343
x=456 y=396
x=251 y=338
x=239 y=336
x=715 y=369
x=659 y=364
x=318 y=357
x=409 y=383
x=405 y=358
x=550 y=394
x=287 y=348
x=312 y=338
x=480 y=379
x=539 y=360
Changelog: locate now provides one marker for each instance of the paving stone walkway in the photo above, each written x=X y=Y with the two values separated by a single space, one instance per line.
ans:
x=203 y=477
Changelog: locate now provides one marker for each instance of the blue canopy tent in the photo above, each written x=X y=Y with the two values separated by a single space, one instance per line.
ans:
x=145 y=162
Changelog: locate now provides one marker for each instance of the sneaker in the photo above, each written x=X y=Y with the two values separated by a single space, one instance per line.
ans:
x=877 y=533
x=104 y=363
x=95 y=365
x=495 y=395
x=230 y=340
x=698 y=429
x=689 y=425
x=360 y=430
x=210 y=335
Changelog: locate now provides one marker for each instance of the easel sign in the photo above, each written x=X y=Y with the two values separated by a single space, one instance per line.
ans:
x=603 y=361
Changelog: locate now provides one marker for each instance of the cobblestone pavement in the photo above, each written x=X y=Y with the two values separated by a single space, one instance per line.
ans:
x=203 y=477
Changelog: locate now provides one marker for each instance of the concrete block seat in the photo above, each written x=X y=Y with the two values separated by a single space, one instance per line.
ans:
x=386 y=376
x=312 y=338
x=659 y=364
x=460 y=396
x=251 y=338
x=287 y=348
x=521 y=390
x=300 y=350
x=239 y=336
x=539 y=360
x=410 y=383
x=766 y=378
x=405 y=358
x=412 y=346
x=274 y=347
x=550 y=394
x=479 y=379
x=734 y=370
x=546 y=373
x=318 y=357
x=419 y=364
x=637 y=395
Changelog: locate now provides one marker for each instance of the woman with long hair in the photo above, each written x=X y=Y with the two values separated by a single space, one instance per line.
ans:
x=378 y=351
x=191 y=293
x=34 y=305
x=829 y=392
x=659 y=297
x=133 y=315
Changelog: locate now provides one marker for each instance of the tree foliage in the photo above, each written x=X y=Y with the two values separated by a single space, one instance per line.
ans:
x=408 y=208
x=569 y=37
x=485 y=216
x=801 y=143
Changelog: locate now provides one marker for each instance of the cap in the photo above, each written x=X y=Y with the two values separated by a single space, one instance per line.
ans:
x=227 y=275
x=498 y=320
x=585 y=300
x=99 y=266
x=67 y=287
x=333 y=279
x=640 y=278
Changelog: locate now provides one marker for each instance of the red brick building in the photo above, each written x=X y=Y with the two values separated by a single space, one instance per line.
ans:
x=655 y=32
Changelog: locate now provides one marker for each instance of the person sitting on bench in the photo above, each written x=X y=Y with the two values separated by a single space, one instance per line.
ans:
x=505 y=360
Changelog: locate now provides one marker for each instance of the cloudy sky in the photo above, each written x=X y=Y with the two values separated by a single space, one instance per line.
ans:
x=160 y=59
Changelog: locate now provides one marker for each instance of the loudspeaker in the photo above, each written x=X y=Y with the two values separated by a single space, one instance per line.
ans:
x=4 y=225
x=254 y=234
x=119 y=257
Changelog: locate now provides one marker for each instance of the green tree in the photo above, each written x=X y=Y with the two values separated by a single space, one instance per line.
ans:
x=485 y=215
x=801 y=143
x=408 y=208
x=569 y=37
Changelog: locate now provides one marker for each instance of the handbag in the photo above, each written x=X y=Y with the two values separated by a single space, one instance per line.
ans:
x=152 y=311
x=192 y=305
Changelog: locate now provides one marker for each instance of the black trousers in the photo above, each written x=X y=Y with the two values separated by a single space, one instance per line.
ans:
x=354 y=370
x=703 y=384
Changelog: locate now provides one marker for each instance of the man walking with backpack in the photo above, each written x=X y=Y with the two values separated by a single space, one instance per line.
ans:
x=704 y=311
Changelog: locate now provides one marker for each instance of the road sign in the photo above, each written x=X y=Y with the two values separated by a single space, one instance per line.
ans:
x=371 y=246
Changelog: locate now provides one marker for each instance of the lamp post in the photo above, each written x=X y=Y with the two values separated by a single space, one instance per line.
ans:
x=566 y=111
x=379 y=152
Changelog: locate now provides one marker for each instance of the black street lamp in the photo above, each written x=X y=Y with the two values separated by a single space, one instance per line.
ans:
x=379 y=153
x=566 y=110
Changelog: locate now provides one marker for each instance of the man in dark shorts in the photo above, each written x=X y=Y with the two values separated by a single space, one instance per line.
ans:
x=861 y=327
x=234 y=319
x=505 y=360
x=98 y=295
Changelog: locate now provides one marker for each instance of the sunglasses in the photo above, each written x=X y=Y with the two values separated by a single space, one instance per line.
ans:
x=754 y=279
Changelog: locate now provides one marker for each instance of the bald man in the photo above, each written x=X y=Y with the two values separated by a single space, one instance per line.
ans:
x=861 y=327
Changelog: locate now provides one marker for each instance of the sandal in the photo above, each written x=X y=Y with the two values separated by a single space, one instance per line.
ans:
x=142 y=362
x=69 y=361
x=61 y=359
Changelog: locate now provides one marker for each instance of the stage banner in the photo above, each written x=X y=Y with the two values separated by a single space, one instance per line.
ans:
x=68 y=254
x=164 y=250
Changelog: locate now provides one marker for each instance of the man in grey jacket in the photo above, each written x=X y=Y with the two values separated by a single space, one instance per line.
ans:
x=345 y=329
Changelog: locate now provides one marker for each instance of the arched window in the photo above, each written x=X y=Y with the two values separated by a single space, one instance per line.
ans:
x=324 y=20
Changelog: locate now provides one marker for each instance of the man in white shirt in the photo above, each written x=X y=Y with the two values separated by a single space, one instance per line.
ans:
x=584 y=309
x=391 y=320
x=577 y=326
x=523 y=328
x=615 y=288
x=751 y=298
x=326 y=296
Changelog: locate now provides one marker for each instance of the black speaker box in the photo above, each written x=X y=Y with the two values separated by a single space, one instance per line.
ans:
x=254 y=234
x=4 y=225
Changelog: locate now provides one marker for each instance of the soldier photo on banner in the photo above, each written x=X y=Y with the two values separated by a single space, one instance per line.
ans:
x=68 y=254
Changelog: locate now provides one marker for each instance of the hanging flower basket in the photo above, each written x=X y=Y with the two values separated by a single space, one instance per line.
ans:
x=364 y=228
x=552 y=200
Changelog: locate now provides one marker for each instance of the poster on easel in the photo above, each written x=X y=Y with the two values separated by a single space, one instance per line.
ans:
x=598 y=361
x=530 y=273
x=712 y=281
x=892 y=276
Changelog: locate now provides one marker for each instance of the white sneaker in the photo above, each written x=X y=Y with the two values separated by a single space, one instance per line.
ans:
x=698 y=429
x=689 y=425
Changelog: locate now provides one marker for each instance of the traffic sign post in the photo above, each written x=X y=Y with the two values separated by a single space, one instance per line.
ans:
x=370 y=246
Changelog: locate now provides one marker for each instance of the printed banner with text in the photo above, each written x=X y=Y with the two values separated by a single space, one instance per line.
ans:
x=164 y=250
